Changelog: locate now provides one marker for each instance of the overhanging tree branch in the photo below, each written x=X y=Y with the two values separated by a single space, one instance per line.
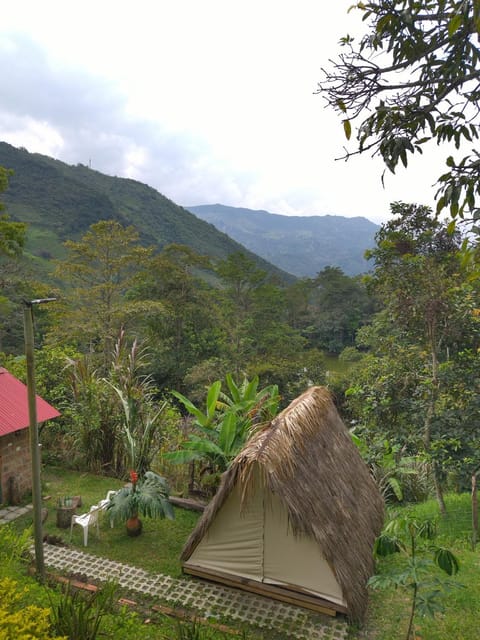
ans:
x=429 y=47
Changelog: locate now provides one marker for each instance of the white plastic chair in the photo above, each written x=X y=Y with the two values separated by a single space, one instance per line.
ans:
x=86 y=520
x=103 y=504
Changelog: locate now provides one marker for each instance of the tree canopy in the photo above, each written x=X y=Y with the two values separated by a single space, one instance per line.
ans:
x=98 y=271
x=413 y=78
x=12 y=234
x=413 y=387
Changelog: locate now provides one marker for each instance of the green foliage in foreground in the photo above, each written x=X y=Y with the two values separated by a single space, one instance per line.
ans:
x=78 y=615
x=30 y=611
x=412 y=538
x=390 y=607
x=18 y=622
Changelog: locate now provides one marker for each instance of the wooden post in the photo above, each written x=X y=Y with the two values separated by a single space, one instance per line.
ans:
x=474 y=511
x=34 y=446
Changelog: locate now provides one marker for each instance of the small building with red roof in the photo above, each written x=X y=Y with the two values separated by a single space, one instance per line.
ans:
x=15 y=456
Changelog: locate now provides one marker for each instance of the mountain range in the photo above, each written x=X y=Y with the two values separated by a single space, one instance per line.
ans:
x=302 y=245
x=60 y=201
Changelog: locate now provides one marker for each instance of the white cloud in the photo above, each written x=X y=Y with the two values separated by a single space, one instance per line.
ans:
x=208 y=101
x=34 y=135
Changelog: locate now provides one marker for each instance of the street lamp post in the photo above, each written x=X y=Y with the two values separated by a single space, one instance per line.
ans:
x=34 y=445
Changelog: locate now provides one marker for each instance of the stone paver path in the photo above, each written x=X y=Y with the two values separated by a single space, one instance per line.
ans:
x=7 y=514
x=205 y=598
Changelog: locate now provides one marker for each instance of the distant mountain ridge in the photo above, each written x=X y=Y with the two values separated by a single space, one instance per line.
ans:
x=59 y=202
x=302 y=245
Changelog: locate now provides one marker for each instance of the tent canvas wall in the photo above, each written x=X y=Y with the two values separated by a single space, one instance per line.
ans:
x=296 y=515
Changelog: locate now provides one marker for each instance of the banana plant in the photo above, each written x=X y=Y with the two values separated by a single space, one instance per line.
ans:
x=226 y=423
x=204 y=420
x=245 y=399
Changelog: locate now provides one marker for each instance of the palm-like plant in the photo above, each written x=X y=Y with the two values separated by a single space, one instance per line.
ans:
x=147 y=497
x=226 y=424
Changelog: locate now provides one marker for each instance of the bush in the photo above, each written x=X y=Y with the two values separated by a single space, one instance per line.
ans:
x=18 y=622
x=13 y=546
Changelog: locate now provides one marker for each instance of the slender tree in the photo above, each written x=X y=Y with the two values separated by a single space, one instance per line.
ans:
x=418 y=274
x=97 y=273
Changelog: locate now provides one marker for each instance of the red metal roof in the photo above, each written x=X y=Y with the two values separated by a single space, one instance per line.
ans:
x=14 y=405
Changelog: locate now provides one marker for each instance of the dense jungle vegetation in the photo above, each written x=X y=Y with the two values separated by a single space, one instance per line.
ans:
x=132 y=321
x=167 y=360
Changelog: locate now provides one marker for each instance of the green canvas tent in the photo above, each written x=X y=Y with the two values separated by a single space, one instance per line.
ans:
x=296 y=515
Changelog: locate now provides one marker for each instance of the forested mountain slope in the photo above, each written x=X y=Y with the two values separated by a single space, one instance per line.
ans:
x=60 y=201
x=302 y=245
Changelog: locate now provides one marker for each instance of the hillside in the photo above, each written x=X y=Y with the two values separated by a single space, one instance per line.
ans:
x=60 y=201
x=302 y=245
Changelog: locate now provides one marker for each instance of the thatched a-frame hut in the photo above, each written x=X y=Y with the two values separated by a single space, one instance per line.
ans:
x=296 y=514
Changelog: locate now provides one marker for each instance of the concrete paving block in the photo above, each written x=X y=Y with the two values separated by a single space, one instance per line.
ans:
x=9 y=516
x=207 y=599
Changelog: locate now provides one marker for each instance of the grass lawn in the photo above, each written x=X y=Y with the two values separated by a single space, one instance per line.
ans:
x=158 y=548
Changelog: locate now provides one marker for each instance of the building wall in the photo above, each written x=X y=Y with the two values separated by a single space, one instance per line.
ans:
x=15 y=466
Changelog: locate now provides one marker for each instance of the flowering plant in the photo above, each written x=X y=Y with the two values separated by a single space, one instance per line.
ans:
x=147 y=497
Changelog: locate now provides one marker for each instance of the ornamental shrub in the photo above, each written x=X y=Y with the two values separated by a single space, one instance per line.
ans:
x=18 y=622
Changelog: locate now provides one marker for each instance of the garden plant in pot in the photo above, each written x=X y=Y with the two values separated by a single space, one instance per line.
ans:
x=147 y=497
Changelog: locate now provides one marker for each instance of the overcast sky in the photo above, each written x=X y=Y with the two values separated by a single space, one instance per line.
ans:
x=205 y=100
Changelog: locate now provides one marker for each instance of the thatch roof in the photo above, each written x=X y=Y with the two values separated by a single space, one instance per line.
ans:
x=307 y=458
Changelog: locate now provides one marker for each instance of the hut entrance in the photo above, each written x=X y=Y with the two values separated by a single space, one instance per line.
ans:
x=253 y=541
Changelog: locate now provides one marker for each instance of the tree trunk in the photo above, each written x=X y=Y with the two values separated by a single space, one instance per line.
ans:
x=427 y=434
x=439 y=490
x=474 y=511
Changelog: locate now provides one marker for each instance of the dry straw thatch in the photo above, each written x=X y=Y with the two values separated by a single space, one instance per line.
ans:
x=307 y=458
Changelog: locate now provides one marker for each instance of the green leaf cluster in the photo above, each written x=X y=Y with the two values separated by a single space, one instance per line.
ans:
x=413 y=78
x=147 y=497
x=227 y=422
x=412 y=539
